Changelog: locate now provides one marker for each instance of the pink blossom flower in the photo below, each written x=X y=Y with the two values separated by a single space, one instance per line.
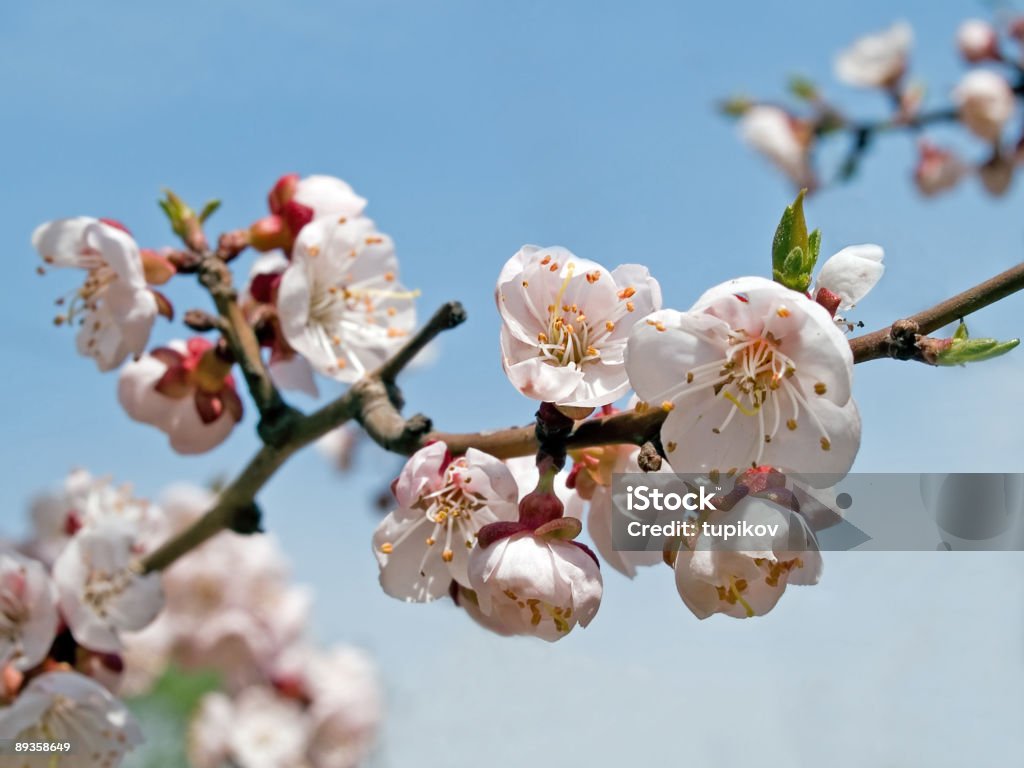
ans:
x=977 y=40
x=114 y=308
x=28 y=611
x=782 y=139
x=535 y=585
x=186 y=391
x=753 y=373
x=100 y=592
x=878 y=60
x=985 y=102
x=424 y=544
x=565 y=322
x=339 y=303
x=746 y=576
x=69 y=707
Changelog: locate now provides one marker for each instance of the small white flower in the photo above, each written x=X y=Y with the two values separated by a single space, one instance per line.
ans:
x=339 y=302
x=852 y=273
x=782 y=139
x=114 y=307
x=977 y=40
x=100 y=593
x=186 y=391
x=28 y=611
x=985 y=102
x=533 y=585
x=878 y=60
x=258 y=729
x=424 y=544
x=565 y=324
x=745 y=577
x=69 y=707
x=753 y=373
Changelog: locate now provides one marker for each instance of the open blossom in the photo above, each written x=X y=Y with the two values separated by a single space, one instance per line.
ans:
x=985 y=102
x=69 y=707
x=852 y=273
x=28 y=611
x=783 y=139
x=114 y=308
x=754 y=373
x=565 y=324
x=746 y=575
x=100 y=593
x=424 y=544
x=878 y=60
x=186 y=391
x=977 y=40
x=339 y=302
x=256 y=729
x=937 y=169
x=531 y=584
x=294 y=202
x=83 y=502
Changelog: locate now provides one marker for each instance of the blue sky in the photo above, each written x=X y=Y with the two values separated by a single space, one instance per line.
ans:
x=473 y=128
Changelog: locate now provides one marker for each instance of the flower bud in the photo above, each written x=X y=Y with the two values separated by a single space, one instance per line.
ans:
x=985 y=103
x=938 y=169
x=977 y=41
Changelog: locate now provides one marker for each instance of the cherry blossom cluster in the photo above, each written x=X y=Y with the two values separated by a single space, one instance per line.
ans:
x=985 y=103
x=80 y=629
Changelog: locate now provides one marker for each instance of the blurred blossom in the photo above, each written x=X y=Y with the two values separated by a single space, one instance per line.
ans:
x=938 y=169
x=977 y=40
x=878 y=60
x=985 y=102
x=28 y=611
x=783 y=139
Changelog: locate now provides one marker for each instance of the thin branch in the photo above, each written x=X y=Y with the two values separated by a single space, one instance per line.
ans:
x=901 y=340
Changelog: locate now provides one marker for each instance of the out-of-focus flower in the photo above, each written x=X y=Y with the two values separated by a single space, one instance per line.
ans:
x=746 y=575
x=878 y=60
x=256 y=729
x=339 y=302
x=985 y=102
x=343 y=697
x=977 y=40
x=535 y=585
x=185 y=390
x=84 y=502
x=938 y=169
x=754 y=373
x=294 y=202
x=28 y=611
x=565 y=324
x=69 y=707
x=852 y=273
x=783 y=139
x=100 y=593
x=996 y=173
x=424 y=544
x=114 y=308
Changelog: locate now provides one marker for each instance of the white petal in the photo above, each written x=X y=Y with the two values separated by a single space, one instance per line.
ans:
x=852 y=273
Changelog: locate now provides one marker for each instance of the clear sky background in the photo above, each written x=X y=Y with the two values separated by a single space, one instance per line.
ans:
x=473 y=128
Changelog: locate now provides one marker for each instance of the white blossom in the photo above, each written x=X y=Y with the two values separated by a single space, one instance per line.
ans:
x=782 y=139
x=753 y=373
x=985 y=102
x=70 y=708
x=534 y=585
x=977 y=40
x=878 y=60
x=851 y=273
x=565 y=322
x=114 y=308
x=28 y=611
x=424 y=544
x=339 y=303
x=100 y=592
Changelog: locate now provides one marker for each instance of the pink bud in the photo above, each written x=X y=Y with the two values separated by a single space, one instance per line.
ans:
x=828 y=300
x=282 y=192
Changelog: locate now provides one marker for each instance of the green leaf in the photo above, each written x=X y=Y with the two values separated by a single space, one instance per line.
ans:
x=803 y=88
x=794 y=252
x=208 y=210
x=961 y=331
x=963 y=350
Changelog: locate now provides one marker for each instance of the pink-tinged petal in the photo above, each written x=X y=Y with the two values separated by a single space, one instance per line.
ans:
x=409 y=571
x=657 y=361
x=119 y=251
x=536 y=378
x=852 y=273
x=421 y=473
x=61 y=243
x=294 y=373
